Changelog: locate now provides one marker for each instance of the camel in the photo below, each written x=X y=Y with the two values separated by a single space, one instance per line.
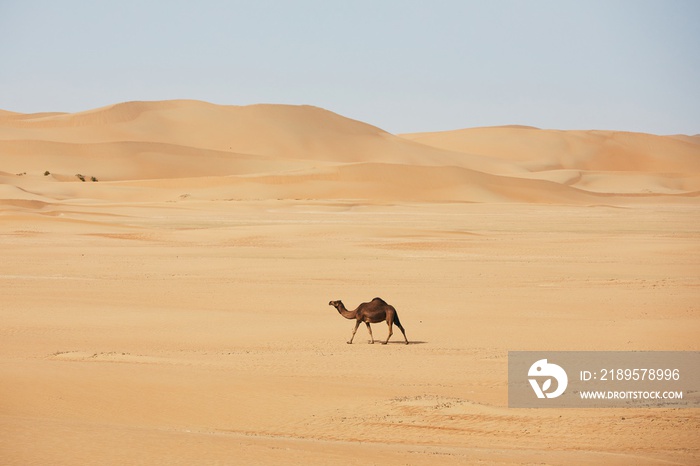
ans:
x=373 y=312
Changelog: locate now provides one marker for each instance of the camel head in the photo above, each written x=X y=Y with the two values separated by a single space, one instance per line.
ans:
x=335 y=304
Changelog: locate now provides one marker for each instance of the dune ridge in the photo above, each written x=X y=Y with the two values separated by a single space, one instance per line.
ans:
x=316 y=153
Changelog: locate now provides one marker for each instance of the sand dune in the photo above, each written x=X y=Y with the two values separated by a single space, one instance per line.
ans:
x=279 y=131
x=604 y=162
x=265 y=143
x=585 y=150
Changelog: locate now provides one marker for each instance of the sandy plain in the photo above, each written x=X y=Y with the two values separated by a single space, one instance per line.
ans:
x=175 y=311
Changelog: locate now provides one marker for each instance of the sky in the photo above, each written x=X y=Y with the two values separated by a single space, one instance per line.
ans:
x=405 y=66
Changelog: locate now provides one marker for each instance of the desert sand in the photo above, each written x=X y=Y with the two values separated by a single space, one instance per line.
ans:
x=175 y=309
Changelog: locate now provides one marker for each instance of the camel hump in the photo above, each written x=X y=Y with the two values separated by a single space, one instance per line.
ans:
x=379 y=301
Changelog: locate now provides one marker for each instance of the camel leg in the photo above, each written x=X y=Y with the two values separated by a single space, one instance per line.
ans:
x=370 y=334
x=357 y=324
x=391 y=332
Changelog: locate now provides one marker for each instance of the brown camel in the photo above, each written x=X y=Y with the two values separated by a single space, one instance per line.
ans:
x=373 y=312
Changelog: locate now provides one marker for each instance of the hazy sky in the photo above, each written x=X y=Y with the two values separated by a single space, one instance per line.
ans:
x=404 y=66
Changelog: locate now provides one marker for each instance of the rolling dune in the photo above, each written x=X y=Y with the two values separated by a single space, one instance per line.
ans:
x=584 y=150
x=605 y=162
x=262 y=144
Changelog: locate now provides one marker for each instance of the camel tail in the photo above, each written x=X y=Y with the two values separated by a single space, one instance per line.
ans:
x=398 y=324
x=397 y=321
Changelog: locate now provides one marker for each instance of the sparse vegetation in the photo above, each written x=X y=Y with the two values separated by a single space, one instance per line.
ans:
x=93 y=179
x=47 y=173
x=80 y=177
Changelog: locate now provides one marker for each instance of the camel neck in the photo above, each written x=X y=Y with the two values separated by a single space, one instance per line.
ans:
x=345 y=313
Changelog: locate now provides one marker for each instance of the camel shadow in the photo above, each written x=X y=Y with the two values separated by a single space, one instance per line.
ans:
x=411 y=342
